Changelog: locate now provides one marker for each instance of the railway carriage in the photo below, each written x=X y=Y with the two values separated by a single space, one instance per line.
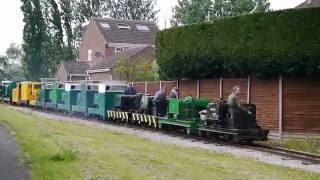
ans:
x=84 y=98
x=104 y=100
x=55 y=95
x=26 y=93
x=44 y=100
x=6 y=90
x=69 y=96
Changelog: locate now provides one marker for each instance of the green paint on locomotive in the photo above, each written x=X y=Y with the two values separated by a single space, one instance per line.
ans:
x=184 y=113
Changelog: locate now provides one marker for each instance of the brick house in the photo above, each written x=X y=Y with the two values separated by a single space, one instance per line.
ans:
x=106 y=40
x=103 y=70
x=72 y=71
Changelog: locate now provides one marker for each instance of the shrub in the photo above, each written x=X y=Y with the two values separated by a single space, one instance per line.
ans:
x=263 y=44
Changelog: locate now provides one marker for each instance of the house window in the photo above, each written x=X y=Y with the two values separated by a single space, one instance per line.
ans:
x=90 y=55
x=143 y=28
x=124 y=26
x=105 y=25
x=117 y=50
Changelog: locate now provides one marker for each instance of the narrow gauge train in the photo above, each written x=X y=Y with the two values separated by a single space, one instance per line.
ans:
x=107 y=100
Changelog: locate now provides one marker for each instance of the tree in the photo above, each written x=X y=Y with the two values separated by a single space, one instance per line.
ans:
x=33 y=40
x=196 y=11
x=141 y=71
x=67 y=13
x=13 y=69
x=10 y=64
x=133 y=9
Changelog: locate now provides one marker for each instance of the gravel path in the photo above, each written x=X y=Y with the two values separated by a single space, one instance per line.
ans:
x=183 y=141
x=9 y=157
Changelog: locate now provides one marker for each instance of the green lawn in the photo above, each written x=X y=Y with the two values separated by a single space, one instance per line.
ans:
x=57 y=150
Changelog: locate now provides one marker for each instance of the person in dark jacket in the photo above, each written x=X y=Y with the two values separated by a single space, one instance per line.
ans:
x=174 y=93
x=160 y=100
x=130 y=90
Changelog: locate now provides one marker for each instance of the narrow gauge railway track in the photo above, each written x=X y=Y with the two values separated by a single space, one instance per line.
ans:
x=306 y=158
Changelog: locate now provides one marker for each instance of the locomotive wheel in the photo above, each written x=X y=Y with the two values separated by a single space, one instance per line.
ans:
x=208 y=135
x=228 y=137
x=188 y=131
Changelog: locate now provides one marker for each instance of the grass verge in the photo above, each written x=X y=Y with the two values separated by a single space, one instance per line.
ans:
x=304 y=145
x=58 y=150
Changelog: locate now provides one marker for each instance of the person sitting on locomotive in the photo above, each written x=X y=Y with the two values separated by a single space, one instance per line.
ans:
x=160 y=101
x=130 y=90
x=233 y=99
x=174 y=93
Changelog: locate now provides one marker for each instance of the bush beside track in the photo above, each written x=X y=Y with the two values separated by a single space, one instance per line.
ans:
x=264 y=45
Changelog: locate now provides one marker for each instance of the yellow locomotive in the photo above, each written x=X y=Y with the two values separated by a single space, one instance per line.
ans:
x=26 y=93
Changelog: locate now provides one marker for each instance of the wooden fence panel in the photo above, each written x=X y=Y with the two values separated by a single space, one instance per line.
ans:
x=153 y=87
x=187 y=88
x=301 y=105
x=265 y=95
x=210 y=89
x=169 y=85
x=139 y=86
x=228 y=86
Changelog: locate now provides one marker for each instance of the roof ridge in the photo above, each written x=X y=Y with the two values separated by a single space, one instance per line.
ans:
x=118 y=19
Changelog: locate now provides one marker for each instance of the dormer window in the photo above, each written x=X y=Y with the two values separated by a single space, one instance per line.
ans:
x=143 y=28
x=124 y=26
x=105 y=25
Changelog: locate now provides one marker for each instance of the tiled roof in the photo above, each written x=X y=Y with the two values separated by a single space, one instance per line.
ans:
x=111 y=61
x=309 y=4
x=74 y=67
x=114 y=34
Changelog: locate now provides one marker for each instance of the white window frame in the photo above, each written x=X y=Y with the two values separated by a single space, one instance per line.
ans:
x=105 y=25
x=118 y=49
x=123 y=26
x=143 y=28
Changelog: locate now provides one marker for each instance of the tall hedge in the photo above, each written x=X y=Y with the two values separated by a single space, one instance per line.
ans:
x=264 y=44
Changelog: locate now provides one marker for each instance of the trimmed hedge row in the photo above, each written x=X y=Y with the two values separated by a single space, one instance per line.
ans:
x=263 y=45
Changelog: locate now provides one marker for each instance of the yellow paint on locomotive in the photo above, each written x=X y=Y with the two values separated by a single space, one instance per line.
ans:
x=26 y=93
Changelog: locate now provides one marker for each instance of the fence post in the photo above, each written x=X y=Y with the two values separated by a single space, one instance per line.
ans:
x=221 y=88
x=145 y=87
x=249 y=88
x=198 y=89
x=178 y=88
x=160 y=85
x=280 y=107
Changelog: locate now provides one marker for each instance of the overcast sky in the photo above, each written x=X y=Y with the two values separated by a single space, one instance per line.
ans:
x=12 y=25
